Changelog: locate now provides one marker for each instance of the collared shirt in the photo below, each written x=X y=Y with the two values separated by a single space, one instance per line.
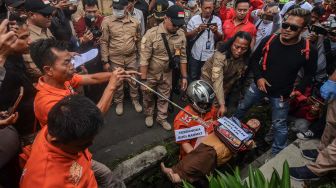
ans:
x=36 y=33
x=304 y=5
x=49 y=166
x=199 y=50
x=47 y=96
x=139 y=16
x=230 y=29
x=152 y=21
x=120 y=40
x=222 y=73
x=154 y=54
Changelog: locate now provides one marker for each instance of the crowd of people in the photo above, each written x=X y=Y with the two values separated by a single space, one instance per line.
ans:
x=221 y=57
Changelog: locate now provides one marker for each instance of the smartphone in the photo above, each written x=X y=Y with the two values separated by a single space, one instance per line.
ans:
x=267 y=17
x=318 y=30
x=211 y=24
x=12 y=109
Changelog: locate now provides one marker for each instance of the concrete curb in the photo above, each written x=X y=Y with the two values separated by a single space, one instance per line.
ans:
x=134 y=166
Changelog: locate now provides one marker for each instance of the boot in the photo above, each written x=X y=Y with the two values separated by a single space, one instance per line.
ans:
x=149 y=121
x=137 y=106
x=165 y=125
x=120 y=109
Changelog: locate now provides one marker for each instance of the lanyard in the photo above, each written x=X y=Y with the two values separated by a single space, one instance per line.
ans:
x=208 y=29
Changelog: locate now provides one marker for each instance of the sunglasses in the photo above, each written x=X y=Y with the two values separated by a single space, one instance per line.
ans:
x=285 y=25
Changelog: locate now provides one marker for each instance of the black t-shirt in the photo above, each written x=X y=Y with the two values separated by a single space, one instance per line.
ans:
x=9 y=91
x=283 y=64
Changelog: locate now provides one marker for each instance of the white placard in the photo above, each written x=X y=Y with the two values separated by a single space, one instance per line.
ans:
x=189 y=133
x=81 y=59
x=233 y=128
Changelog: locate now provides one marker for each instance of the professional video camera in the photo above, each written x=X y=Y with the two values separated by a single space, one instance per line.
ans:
x=90 y=23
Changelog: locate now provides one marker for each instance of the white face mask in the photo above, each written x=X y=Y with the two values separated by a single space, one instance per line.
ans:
x=192 y=3
x=119 y=13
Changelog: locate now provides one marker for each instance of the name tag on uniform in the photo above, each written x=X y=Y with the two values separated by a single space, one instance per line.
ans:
x=189 y=133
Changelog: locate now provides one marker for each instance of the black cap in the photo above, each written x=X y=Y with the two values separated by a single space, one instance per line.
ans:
x=39 y=6
x=176 y=14
x=14 y=3
x=119 y=4
x=160 y=9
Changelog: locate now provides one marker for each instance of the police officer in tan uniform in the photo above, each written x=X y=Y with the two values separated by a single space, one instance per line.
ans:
x=155 y=67
x=159 y=12
x=120 y=42
x=226 y=67
x=39 y=20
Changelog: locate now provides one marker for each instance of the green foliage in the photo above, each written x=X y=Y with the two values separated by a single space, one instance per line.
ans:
x=256 y=179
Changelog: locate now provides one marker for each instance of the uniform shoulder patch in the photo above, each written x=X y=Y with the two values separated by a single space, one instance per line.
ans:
x=75 y=173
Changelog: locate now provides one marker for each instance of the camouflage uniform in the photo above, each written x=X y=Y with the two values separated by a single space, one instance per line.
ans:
x=222 y=73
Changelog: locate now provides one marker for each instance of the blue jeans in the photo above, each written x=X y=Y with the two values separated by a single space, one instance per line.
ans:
x=280 y=109
x=194 y=69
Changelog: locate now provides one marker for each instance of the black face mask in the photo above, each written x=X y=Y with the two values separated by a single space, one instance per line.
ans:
x=89 y=20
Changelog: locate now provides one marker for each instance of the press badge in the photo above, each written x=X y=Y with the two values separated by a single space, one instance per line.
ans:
x=208 y=45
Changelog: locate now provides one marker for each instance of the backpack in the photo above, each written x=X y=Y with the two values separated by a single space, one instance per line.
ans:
x=265 y=51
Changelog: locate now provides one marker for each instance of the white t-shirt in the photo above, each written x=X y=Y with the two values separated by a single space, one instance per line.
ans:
x=265 y=28
x=199 y=51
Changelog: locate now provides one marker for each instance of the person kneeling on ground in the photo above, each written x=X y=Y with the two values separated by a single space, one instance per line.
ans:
x=60 y=155
x=200 y=156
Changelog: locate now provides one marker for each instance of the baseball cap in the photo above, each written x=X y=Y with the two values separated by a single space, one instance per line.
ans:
x=14 y=3
x=119 y=4
x=176 y=14
x=160 y=9
x=39 y=6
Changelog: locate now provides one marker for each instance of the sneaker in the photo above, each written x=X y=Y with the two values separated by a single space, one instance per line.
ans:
x=310 y=154
x=149 y=121
x=165 y=125
x=302 y=173
x=305 y=135
x=137 y=106
x=119 y=109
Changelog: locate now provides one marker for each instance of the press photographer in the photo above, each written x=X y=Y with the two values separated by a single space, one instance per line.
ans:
x=88 y=26
x=316 y=33
x=61 y=24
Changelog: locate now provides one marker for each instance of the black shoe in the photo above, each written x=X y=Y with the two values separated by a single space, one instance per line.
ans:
x=302 y=173
x=310 y=154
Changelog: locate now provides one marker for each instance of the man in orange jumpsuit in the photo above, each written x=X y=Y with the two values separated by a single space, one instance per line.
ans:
x=60 y=155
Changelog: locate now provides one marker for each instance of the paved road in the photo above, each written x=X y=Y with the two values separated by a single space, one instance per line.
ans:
x=126 y=135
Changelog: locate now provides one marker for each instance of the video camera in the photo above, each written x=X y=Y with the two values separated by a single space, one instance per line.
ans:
x=90 y=23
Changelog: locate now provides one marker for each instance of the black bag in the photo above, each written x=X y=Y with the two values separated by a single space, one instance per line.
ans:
x=174 y=62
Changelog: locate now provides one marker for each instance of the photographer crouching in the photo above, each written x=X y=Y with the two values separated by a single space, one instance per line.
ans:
x=88 y=31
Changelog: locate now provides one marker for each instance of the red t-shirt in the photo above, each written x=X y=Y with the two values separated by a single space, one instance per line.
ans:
x=183 y=120
x=230 y=29
x=229 y=13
